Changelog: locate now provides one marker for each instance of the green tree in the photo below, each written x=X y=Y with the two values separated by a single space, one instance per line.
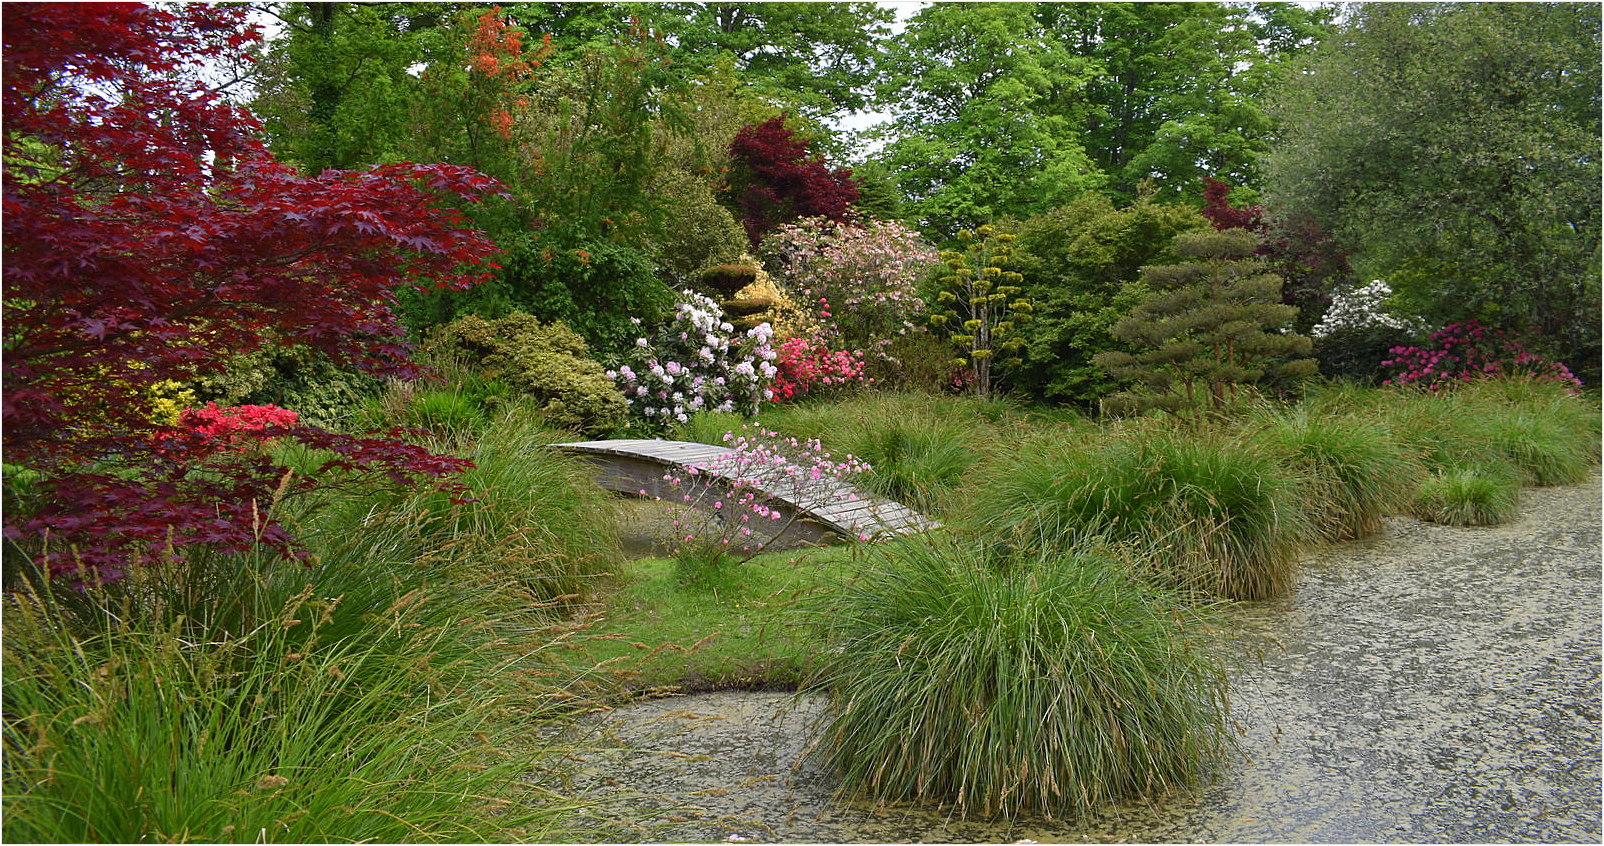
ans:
x=1178 y=96
x=1213 y=322
x=1081 y=262
x=818 y=58
x=980 y=305
x=985 y=105
x=1015 y=108
x=578 y=140
x=335 y=89
x=1454 y=148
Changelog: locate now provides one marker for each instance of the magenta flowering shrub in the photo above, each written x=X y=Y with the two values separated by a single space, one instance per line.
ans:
x=807 y=365
x=864 y=277
x=696 y=362
x=1468 y=351
x=731 y=521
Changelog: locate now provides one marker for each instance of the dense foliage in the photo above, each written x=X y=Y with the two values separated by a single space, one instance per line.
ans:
x=1213 y=322
x=1454 y=149
x=777 y=178
x=146 y=228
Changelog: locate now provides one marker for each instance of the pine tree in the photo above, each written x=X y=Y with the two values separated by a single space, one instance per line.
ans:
x=1214 y=322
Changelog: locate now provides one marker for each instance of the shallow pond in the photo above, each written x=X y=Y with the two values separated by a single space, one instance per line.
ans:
x=1433 y=684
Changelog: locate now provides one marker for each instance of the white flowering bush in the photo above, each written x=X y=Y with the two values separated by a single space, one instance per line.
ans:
x=696 y=362
x=1358 y=330
x=1364 y=308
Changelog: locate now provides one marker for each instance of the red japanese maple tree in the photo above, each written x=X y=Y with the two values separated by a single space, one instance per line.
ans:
x=148 y=236
x=777 y=179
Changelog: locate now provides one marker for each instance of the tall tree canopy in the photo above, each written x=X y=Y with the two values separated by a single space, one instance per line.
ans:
x=1013 y=109
x=1454 y=148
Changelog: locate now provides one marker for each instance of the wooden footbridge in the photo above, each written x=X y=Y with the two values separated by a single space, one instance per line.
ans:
x=811 y=510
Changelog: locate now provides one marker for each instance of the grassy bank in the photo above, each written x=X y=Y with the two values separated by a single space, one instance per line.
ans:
x=400 y=687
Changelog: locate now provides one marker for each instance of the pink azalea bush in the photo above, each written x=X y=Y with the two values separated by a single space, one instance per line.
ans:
x=729 y=522
x=868 y=272
x=696 y=362
x=1468 y=351
x=230 y=423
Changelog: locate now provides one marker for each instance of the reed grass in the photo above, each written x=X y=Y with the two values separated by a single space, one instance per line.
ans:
x=1538 y=443
x=531 y=515
x=1469 y=495
x=1209 y=513
x=1053 y=684
x=1351 y=472
x=330 y=721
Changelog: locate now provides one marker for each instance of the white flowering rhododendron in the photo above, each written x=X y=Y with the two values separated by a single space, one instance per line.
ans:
x=696 y=362
x=1363 y=308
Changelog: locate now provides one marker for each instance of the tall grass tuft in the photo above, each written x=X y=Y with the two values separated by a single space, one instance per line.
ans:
x=1539 y=443
x=532 y=516
x=1351 y=472
x=708 y=427
x=1053 y=684
x=1468 y=495
x=329 y=721
x=1210 y=513
x=1481 y=441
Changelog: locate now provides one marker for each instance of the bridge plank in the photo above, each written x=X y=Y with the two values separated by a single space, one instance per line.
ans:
x=638 y=465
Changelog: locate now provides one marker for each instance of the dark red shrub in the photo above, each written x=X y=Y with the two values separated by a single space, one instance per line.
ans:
x=149 y=234
x=777 y=179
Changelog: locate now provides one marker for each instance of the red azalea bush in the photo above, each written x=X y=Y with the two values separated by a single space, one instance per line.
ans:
x=1468 y=351
x=234 y=424
x=147 y=225
x=807 y=365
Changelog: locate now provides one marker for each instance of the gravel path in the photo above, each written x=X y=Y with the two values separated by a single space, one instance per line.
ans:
x=1433 y=684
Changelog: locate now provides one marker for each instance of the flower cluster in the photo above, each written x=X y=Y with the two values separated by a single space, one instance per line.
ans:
x=1468 y=351
x=1363 y=308
x=807 y=365
x=236 y=424
x=869 y=273
x=731 y=508
x=696 y=362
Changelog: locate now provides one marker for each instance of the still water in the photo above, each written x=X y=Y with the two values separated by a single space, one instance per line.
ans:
x=1433 y=684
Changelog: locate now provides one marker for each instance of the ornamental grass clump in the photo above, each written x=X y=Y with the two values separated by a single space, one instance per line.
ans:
x=1350 y=472
x=1209 y=513
x=1541 y=447
x=1542 y=427
x=329 y=720
x=1053 y=683
x=528 y=513
x=1468 y=495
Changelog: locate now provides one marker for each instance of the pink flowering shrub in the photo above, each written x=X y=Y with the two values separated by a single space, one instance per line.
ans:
x=1468 y=351
x=869 y=273
x=733 y=520
x=807 y=365
x=694 y=363
x=235 y=424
